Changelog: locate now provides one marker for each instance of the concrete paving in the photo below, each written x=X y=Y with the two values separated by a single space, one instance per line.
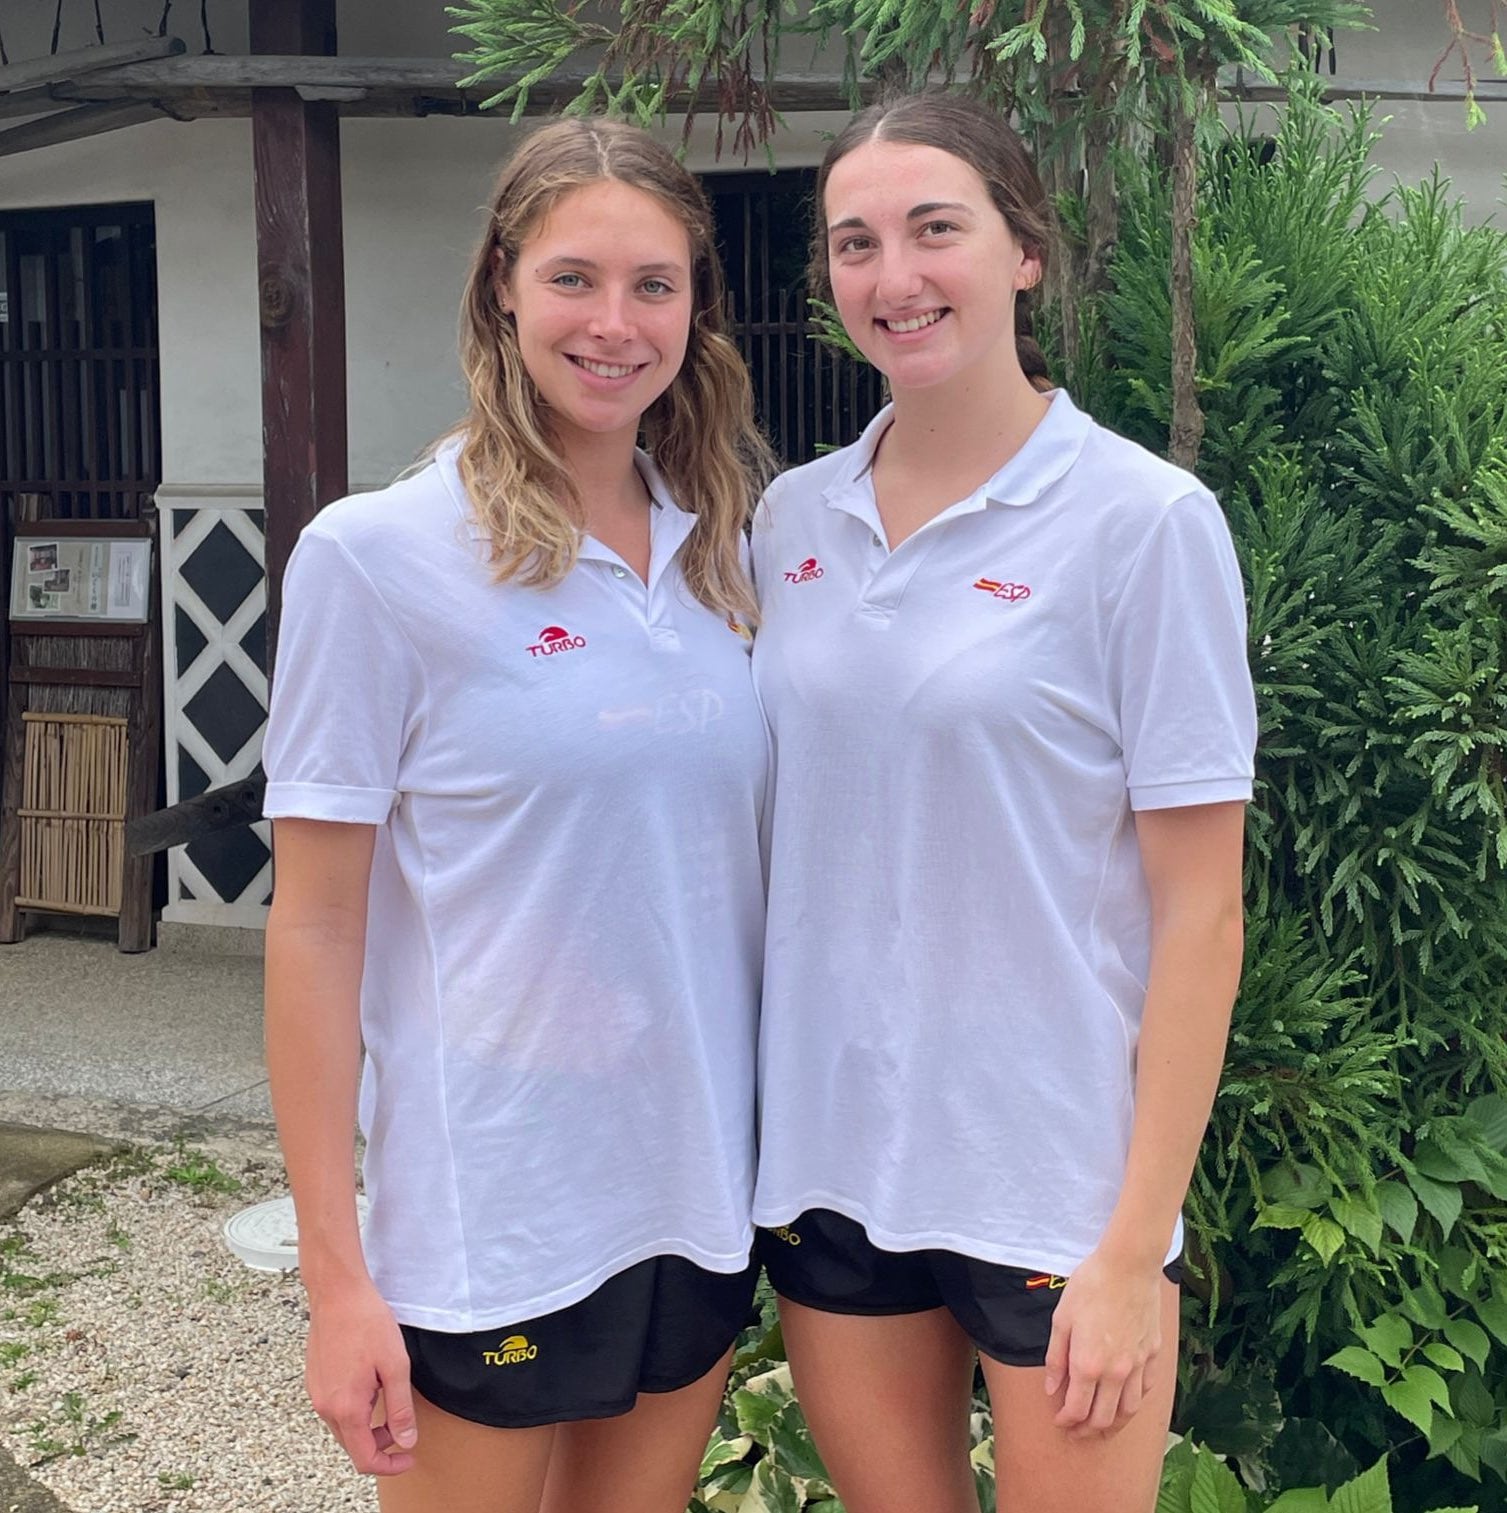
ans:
x=168 y=1029
x=98 y=1048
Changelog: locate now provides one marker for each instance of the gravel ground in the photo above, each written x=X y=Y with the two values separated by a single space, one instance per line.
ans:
x=143 y=1368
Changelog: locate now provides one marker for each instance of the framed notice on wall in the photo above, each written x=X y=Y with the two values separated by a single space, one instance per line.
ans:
x=81 y=578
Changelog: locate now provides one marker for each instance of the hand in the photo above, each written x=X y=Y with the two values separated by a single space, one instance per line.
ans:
x=1106 y=1335
x=355 y=1356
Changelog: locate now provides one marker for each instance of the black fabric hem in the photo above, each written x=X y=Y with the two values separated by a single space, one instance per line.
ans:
x=858 y=1310
x=535 y=1420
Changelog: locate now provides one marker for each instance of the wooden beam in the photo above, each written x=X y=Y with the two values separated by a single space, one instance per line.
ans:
x=416 y=86
x=1446 y=90
x=301 y=277
x=385 y=86
x=73 y=125
x=224 y=808
x=57 y=67
x=29 y=102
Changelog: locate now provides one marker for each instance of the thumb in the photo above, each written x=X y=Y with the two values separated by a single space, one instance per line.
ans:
x=397 y=1399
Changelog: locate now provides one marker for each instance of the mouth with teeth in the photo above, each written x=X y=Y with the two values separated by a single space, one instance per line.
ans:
x=913 y=323
x=606 y=369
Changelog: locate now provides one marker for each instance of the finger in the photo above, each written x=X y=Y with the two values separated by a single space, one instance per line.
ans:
x=351 y=1425
x=1057 y=1354
x=1078 y=1402
x=389 y=1459
x=1107 y=1399
x=1132 y=1394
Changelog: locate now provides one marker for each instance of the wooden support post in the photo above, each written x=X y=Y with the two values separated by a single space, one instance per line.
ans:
x=301 y=277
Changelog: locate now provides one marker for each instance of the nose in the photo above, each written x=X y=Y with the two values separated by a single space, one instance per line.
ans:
x=611 y=319
x=899 y=279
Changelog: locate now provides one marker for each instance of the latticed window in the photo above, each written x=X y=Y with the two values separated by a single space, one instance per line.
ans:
x=809 y=397
x=80 y=433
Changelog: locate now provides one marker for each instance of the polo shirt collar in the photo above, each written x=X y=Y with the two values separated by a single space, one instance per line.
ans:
x=669 y=526
x=1049 y=451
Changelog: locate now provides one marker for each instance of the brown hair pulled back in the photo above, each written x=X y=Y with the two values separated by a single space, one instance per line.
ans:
x=982 y=138
x=701 y=430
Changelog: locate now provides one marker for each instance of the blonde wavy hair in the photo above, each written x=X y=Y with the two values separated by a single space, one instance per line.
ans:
x=701 y=431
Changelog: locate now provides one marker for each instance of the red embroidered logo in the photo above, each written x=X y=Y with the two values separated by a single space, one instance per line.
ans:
x=807 y=572
x=1013 y=592
x=552 y=639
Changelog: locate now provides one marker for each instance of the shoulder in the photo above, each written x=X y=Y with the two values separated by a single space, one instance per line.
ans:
x=799 y=489
x=396 y=538
x=414 y=511
x=1121 y=499
x=1133 y=479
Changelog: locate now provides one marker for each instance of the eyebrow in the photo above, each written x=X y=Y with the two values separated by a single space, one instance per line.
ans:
x=591 y=267
x=919 y=212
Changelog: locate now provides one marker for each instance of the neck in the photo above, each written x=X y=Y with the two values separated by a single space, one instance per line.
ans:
x=973 y=423
x=601 y=467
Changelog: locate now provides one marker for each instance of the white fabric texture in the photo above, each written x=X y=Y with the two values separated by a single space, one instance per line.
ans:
x=559 y=1002
x=959 y=927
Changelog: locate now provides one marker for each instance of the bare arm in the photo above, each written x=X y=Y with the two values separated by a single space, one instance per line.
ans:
x=1107 y=1330
x=1192 y=861
x=316 y=936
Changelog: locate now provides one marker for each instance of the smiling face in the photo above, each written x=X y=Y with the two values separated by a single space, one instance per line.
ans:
x=924 y=269
x=600 y=297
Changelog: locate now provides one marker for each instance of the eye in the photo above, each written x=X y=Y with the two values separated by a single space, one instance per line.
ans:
x=853 y=244
x=657 y=286
x=938 y=228
x=560 y=281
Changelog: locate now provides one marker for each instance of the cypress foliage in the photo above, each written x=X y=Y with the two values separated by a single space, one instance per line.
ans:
x=1350 y=1210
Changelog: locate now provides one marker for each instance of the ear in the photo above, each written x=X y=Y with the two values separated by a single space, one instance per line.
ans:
x=1028 y=274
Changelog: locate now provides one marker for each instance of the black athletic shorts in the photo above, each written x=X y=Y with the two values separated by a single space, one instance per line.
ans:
x=656 y=1327
x=826 y=1261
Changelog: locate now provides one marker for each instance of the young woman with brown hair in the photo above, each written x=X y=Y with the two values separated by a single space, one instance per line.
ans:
x=516 y=767
x=1003 y=661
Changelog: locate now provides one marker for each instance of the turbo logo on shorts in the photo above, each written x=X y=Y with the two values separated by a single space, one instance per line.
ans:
x=808 y=572
x=1011 y=592
x=553 y=639
x=513 y=1351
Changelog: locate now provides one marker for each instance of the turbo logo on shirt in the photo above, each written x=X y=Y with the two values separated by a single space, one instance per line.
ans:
x=1053 y=1283
x=552 y=639
x=808 y=572
x=513 y=1351
x=1011 y=592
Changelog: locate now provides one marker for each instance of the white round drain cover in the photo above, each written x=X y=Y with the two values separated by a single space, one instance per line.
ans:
x=265 y=1236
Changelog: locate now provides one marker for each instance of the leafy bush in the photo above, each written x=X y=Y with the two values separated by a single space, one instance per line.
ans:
x=1349 y=1214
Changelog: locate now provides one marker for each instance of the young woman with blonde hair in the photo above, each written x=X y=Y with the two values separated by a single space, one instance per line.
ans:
x=1003 y=661
x=516 y=765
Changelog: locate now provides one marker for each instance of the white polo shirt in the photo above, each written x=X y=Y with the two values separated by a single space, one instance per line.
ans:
x=560 y=993
x=959 y=927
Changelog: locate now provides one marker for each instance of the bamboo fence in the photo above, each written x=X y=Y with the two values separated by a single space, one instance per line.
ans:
x=73 y=809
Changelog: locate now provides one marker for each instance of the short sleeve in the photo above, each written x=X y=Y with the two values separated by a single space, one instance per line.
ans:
x=343 y=694
x=1179 y=668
